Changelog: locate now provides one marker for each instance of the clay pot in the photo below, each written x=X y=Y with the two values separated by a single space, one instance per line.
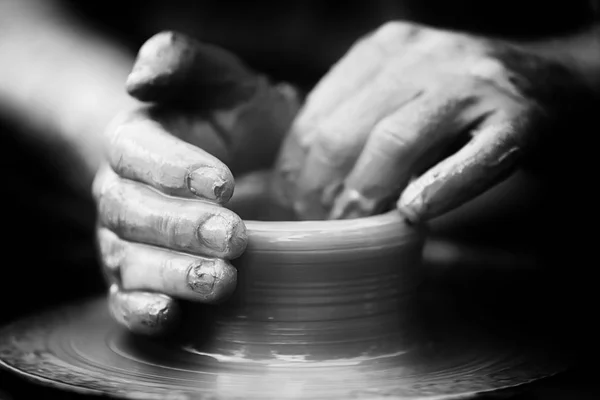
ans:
x=323 y=310
x=314 y=290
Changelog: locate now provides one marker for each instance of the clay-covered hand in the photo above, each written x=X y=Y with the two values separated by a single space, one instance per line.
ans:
x=163 y=231
x=423 y=118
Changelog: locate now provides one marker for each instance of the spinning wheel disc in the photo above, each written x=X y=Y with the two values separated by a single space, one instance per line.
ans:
x=80 y=348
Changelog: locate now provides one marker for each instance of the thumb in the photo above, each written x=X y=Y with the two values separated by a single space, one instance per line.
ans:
x=174 y=68
x=250 y=114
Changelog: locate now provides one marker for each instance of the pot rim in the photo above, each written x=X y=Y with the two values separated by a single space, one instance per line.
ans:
x=386 y=229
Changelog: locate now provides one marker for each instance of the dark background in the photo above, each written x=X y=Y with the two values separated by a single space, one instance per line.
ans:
x=49 y=255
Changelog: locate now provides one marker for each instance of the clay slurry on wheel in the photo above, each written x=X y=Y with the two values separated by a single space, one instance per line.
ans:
x=80 y=348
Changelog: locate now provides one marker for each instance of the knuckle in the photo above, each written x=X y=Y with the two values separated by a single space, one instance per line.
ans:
x=331 y=147
x=110 y=204
x=169 y=229
x=112 y=250
x=489 y=69
x=105 y=182
x=393 y=135
x=98 y=185
x=392 y=31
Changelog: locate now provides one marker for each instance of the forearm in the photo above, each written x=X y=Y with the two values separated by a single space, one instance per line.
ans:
x=61 y=81
x=579 y=52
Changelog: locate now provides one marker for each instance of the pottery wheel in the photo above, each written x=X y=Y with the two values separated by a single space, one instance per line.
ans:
x=79 y=348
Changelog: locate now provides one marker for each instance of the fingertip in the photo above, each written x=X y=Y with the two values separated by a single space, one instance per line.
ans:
x=158 y=59
x=487 y=159
x=352 y=203
x=226 y=284
x=211 y=183
x=174 y=67
x=147 y=149
x=223 y=234
x=238 y=240
x=144 y=313
x=411 y=217
x=411 y=206
x=213 y=280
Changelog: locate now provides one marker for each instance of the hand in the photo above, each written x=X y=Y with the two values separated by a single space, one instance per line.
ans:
x=163 y=231
x=431 y=117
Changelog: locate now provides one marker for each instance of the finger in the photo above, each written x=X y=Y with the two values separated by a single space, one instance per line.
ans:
x=144 y=313
x=357 y=69
x=398 y=147
x=142 y=149
x=146 y=268
x=339 y=142
x=354 y=71
x=172 y=67
x=491 y=156
x=192 y=127
x=286 y=170
x=140 y=214
x=348 y=76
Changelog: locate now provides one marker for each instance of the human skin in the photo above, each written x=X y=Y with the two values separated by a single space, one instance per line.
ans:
x=83 y=127
x=364 y=140
x=162 y=224
x=429 y=118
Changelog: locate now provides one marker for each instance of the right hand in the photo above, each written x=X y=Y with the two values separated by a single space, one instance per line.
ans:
x=163 y=232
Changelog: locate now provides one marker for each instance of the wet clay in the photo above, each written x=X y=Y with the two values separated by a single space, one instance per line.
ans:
x=317 y=290
x=323 y=310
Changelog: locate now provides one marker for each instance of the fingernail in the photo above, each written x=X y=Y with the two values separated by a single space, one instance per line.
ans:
x=225 y=235
x=213 y=279
x=214 y=233
x=209 y=183
x=144 y=313
x=202 y=278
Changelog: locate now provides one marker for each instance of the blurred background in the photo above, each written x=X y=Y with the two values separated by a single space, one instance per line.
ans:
x=298 y=40
x=62 y=69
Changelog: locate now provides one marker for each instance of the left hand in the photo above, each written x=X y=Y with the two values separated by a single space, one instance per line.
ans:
x=432 y=117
